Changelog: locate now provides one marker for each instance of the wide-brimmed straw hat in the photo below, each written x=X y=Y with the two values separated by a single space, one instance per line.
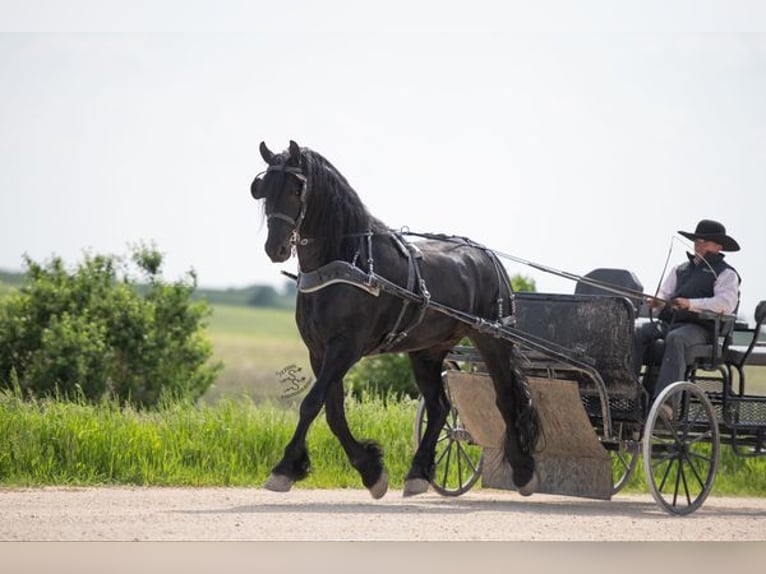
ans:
x=710 y=230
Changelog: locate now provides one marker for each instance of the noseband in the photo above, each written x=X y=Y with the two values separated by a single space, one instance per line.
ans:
x=295 y=222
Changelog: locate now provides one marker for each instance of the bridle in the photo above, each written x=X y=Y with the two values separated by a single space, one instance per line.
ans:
x=297 y=221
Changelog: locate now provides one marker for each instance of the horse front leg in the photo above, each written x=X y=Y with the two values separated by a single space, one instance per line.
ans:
x=365 y=456
x=427 y=367
x=295 y=463
x=329 y=369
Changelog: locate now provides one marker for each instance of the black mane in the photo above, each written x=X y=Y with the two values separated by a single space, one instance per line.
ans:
x=335 y=214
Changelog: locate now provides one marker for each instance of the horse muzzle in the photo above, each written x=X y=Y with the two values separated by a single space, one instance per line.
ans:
x=280 y=252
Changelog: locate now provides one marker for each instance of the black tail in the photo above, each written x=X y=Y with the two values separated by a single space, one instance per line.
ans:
x=528 y=426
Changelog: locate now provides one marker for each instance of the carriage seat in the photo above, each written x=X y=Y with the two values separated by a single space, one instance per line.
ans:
x=707 y=357
x=753 y=353
x=617 y=278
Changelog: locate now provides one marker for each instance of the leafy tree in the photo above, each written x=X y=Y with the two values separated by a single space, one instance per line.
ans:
x=92 y=332
x=523 y=283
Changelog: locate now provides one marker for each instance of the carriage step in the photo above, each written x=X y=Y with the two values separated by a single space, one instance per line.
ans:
x=570 y=460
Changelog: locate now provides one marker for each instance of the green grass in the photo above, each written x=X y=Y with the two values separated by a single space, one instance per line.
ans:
x=230 y=443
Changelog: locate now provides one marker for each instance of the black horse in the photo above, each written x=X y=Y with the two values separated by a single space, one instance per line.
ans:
x=312 y=208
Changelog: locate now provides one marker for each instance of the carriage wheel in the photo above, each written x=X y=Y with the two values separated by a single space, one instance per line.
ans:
x=681 y=452
x=624 y=461
x=458 y=460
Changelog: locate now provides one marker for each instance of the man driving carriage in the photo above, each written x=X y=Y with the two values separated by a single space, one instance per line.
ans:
x=706 y=282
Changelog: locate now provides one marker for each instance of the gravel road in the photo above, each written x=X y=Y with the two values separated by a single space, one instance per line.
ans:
x=232 y=514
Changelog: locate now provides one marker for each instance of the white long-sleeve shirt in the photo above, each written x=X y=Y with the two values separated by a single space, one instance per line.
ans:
x=725 y=292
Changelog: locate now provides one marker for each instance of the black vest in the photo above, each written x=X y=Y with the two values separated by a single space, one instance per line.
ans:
x=695 y=280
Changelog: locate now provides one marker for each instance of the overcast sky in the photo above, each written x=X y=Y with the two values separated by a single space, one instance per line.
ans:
x=573 y=134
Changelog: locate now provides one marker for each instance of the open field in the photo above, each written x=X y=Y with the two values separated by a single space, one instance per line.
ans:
x=254 y=345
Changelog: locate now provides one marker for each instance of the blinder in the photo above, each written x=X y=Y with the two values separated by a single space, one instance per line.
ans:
x=295 y=222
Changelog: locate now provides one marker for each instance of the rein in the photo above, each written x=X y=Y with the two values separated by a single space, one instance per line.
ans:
x=618 y=290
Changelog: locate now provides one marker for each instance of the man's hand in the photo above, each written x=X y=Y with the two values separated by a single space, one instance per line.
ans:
x=653 y=303
x=680 y=303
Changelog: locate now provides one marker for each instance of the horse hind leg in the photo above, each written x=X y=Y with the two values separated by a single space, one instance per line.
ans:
x=427 y=367
x=365 y=456
x=514 y=402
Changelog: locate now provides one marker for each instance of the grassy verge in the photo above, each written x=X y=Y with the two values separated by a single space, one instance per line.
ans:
x=229 y=443
x=226 y=444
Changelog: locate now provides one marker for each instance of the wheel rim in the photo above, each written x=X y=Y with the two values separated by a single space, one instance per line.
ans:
x=681 y=455
x=458 y=460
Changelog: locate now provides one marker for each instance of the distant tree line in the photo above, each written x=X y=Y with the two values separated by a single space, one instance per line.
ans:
x=253 y=295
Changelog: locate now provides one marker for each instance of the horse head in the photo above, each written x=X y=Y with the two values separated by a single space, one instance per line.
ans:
x=284 y=189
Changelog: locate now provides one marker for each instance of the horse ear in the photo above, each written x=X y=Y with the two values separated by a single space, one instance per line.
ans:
x=295 y=152
x=266 y=154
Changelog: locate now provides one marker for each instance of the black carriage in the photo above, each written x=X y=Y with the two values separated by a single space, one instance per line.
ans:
x=598 y=419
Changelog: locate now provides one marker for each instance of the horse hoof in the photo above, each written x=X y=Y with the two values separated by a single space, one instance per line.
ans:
x=530 y=487
x=414 y=486
x=380 y=487
x=278 y=483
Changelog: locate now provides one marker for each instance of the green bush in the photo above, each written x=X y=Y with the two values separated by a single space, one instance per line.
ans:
x=96 y=332
x=382 y=376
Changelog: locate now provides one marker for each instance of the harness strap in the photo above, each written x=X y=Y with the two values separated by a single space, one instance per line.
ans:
x=345 y=272
x=336 y=272
x=414 y=276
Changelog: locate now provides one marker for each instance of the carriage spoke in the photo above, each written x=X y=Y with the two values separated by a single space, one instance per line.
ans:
x=442 y=454
x=694 y=467
x=701 y=458
x=623 y=460
x=681 y=480
x=448 y=452
x=668 y=468
x=466 y=456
